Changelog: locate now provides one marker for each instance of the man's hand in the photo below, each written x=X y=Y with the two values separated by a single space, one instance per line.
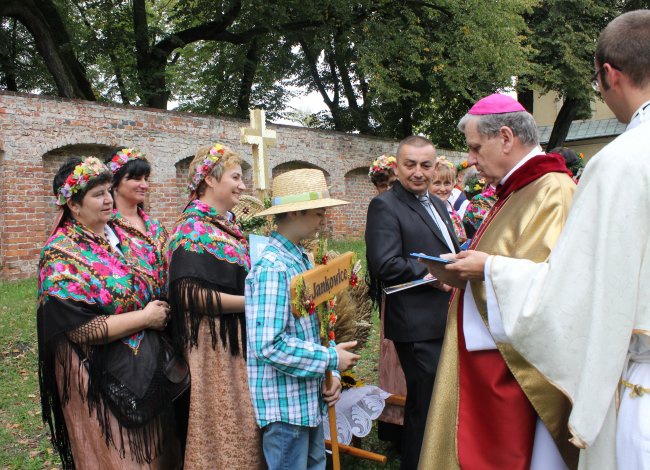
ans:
x=347 y=359
x=331 y=395
x=469 y=265
x=445 y=278
x=437 y=284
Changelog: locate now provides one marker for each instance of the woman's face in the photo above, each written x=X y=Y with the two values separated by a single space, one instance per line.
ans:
x=386 y=185
x=441 y=187
x=132 y=190
x=96 y=207
x=228 y=191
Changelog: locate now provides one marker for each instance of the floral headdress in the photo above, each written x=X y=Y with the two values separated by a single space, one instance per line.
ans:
x=464 y=165
x=89 y=168
x=443 y=161
x=205 y=168
x=122 y=157
x=385 y=163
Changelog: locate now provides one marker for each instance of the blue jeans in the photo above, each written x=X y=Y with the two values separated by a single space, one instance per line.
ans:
x=290 y=447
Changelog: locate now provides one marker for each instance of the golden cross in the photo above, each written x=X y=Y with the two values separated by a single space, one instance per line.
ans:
x=259 y=137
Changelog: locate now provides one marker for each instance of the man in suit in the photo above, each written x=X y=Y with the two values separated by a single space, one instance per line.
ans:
x=405 y=220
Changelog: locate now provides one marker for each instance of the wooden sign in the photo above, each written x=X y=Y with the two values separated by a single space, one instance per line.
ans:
x=324 y=282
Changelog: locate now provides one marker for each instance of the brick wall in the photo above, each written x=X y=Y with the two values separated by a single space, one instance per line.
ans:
x=38 y=133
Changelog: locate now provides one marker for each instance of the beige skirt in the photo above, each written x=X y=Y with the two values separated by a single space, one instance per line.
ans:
x=391 y=376
x=222 y=432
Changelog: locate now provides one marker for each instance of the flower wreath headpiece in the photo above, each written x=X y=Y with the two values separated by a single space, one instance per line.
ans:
x=122 y=157
x=89 y=168
x=205 y=168
x=462 y=166
x=385 y=163
x=443 y=161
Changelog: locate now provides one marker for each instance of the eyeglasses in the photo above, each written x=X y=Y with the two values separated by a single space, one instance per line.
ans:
x=594 y=79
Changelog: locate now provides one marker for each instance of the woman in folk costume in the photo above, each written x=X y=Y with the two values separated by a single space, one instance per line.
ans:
x=442 y=185
x=101 y=376
x=208 y=263
x=391 y=376
x=131 y=172
x=478 y=209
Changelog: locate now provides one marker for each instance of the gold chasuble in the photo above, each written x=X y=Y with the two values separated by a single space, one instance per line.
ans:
x=525 y=223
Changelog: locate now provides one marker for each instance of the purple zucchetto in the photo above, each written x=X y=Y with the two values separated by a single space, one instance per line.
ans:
x=496 y=104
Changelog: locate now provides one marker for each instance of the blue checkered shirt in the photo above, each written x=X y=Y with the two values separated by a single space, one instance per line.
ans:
x=286 y=362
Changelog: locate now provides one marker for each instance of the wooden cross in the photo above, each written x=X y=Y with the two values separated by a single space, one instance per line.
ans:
x=259 y=137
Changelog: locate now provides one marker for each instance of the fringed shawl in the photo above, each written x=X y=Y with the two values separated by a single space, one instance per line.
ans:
x=82 y=281
x=207 y=256
x=153 y=242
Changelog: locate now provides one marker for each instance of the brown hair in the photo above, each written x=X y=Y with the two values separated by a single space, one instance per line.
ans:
x=229 y=159
x=625 y=44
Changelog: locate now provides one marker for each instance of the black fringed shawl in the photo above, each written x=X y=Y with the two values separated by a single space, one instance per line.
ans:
x=82 y=281
x=207 y=256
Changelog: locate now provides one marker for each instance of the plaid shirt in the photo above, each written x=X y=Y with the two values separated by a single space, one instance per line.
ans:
x=286 y=362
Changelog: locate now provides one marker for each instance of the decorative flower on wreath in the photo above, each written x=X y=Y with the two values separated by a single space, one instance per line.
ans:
x=122 y=157
x=383 y=164
x=88 y=169
x=442 y=160
x=462 y=165
x=205 y=168
x=354 y=276
x=304 y=301
x=320 y=255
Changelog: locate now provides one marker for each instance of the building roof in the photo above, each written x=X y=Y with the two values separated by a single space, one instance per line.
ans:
x=584 y=130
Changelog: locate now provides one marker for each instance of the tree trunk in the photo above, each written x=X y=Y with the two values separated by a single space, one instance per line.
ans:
x=43 y=21
x=526 y=98
x=407 y=118
x=562 y=123
x=151 y=62
x=248 y=78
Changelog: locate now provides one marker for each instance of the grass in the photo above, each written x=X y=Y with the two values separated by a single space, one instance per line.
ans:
x=24 y=440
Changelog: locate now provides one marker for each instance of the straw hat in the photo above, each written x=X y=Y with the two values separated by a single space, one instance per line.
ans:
x=298 y=190
x=247 y=208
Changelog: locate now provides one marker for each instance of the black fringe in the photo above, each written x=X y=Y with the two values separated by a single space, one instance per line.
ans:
x=193 y=300
x=146 y=441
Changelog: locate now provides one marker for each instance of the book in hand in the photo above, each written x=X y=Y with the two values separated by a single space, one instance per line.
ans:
x=435 y=259
x=408 y=285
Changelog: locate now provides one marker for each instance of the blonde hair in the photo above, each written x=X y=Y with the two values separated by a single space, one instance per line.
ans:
x=445 y=171
x=229 y=160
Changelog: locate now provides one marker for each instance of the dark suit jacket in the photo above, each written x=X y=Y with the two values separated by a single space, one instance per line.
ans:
x=398 y=224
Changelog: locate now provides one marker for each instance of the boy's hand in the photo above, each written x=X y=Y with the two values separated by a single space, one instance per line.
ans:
x=332 y=395
x=347 y=359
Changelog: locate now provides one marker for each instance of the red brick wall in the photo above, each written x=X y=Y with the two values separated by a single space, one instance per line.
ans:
x=38 y=133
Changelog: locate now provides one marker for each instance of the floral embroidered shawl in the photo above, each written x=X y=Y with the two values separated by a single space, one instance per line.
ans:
x=153 y=242
x=82 y=279
x=207 y=255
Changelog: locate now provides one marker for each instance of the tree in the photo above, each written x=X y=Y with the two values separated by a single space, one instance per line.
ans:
x=388 y=68
x=44 y=22
x=563 y=36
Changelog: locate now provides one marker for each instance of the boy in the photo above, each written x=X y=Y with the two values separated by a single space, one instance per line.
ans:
x=286 y=362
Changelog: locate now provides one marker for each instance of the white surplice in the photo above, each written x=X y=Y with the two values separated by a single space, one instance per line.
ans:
x=583 y=318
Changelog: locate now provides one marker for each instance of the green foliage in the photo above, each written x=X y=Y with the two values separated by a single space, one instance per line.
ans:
x=563 y=36
x=385 y=67
x=21 y=68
